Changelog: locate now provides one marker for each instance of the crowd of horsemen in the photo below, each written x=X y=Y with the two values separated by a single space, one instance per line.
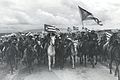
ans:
x=28 y=47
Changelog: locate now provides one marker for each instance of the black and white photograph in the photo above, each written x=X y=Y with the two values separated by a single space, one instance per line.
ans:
x=59 y=39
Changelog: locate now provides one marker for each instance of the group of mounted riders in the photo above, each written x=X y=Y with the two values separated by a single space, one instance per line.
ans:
x=55 y=49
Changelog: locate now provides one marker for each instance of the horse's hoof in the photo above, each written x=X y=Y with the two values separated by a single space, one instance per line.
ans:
x=93 y=66
x=73 y=67
x=11 y=73
x=115 y=75
x=53 y=66
x=61 y=68
x=81 y=62
x=110 y=72
x=95 y=63
x=50 y=70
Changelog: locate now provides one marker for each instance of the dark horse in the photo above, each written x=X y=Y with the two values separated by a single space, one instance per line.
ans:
x=92 y=55
x=83 y=50
x=60 y=49
x=87 y=50
x=70 y=51
x=11 y=56
x=39 y=50
x=114 y=55
x=29 y=57
x=102 y=51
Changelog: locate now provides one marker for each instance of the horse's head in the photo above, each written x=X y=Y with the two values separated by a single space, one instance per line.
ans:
x=39 y=43
x=116 y=42
x=52 y=40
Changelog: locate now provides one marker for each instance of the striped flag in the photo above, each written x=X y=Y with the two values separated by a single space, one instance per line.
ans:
x=86 y=15
x=57 y=29
x=108 y=35
x=50 y=28
x=75 y=28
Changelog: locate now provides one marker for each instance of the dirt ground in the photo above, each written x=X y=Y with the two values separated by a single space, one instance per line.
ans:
x=81 y=72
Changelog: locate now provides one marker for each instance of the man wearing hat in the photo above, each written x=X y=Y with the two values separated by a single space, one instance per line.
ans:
x=93 y=36
x=84 y=36
x=113 y=38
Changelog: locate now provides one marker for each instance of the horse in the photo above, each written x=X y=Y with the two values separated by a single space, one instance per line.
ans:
x=1 y=53
x=39 y=50
x=11 y=55
x=83 y=50
x=114 y=55
x=51 y=52
x=102 y=51
x=105 y=50
x=29 y=57
x=60 y=49
x=75 y=52
x=92 y=55
x=21 y=47
x=70 y=51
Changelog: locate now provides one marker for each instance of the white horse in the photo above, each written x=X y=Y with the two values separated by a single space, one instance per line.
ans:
x=51 y=53
x=74 y=53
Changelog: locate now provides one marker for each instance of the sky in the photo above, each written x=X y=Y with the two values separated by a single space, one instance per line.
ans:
x=19 y=15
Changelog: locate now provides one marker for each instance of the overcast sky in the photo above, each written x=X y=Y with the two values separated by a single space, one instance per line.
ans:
x=20 y=15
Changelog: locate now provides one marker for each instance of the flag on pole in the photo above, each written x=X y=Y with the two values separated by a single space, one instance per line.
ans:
x=97 y=21
x=108 y=35
x=49 y=28
x=75 y=28
x=86 y=15
x=57 y=29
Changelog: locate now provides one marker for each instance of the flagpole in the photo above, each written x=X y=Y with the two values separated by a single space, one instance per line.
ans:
x=81 y=19
x=82 y=24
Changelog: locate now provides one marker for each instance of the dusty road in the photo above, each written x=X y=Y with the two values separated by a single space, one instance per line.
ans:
x=3 y=71
x=79 y=73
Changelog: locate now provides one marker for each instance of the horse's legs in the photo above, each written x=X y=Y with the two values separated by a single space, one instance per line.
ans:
x=11 y=67
x=92 y=60
x=110 y=66
x=1 y=57
x=73 y=62
x=96 y=59
x=76 y=59
x=85 y=57
x=16 y=62
x=116 y=70
x=53 y=61
x=49 y=63
x=81 y=59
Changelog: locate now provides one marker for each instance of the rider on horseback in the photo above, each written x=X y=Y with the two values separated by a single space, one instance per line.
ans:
x=84 y=36
x=103 y=39
x=113 y=38
x=93 y=36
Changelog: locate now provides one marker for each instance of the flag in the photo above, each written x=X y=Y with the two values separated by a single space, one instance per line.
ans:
x=75 y=28
x=57 y=29
x=86 y=15
x=108 y=35
x=97 y=21
x=49 y=28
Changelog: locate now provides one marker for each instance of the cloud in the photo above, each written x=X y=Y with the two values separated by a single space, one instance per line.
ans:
x=28 y=14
